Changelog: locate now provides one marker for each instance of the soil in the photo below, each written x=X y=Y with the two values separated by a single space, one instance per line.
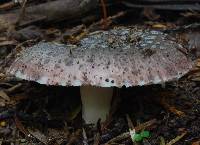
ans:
x=52 y=111
x=36 y=114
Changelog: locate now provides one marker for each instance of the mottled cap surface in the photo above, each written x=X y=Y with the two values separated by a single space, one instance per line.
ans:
x=119 y=57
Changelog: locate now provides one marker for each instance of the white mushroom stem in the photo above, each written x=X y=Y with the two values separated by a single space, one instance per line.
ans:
x=96 y=103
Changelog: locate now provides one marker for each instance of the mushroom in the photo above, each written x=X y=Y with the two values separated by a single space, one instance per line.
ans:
x=123 y=56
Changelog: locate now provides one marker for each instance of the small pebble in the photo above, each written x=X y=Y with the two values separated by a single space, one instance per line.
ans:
x=2 y=123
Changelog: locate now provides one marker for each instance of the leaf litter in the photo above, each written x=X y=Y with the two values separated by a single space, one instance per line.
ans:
x=34 y=114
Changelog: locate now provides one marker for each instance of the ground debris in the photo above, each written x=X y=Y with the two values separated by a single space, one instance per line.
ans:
x=35 y=114
x=111 y=135
x=20 y=126
x=127 y=134
x=38 y=135
x=172 y=109
x=173 y=141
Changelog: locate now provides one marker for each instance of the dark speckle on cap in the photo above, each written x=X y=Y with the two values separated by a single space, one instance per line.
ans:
x=107 y=80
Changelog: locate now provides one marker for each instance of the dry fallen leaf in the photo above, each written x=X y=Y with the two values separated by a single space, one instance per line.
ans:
x=159 y=26
x=177 y=112
x=196 y=142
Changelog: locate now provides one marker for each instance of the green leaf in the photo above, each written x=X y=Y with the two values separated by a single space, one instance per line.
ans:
x=137 y=137
x=145 y=134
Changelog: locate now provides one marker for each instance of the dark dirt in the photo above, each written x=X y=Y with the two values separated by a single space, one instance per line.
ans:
x=51 y=108
x=38 y=114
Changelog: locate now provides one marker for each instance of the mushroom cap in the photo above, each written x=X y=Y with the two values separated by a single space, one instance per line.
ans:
x=123 y=56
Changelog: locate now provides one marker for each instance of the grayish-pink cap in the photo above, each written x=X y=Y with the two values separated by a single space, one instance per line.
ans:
x=124 y=56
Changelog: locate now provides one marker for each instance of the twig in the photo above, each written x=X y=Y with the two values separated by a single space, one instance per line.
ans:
x=173 y=141
x=56 y=10
x=22 y=13
x=172 y=109
x=7 y=5
x=145 y=125
x=109 y=20
x=118 y=138
x=8 y=78
x=6 y=84
x=184 y=27
x=4 y=93
x=164 y=6
x=10 y=90
x=7 y=43
x=127 y=134
x=130 y=124
x=20 y=126
x=105 y=24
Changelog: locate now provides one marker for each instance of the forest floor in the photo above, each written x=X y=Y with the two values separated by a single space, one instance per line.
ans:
x=36 y=114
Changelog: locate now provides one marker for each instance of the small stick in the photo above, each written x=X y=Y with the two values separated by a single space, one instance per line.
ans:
x=6 y=92
x=105 y=24
x=173 y=141
x=10 y=90
x=109 y=20
x=172 y=109
x=130 y=124
x=22 y=13
x=20 y=126
x=127 y=134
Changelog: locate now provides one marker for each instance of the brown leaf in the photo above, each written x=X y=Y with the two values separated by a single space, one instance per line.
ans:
x=196 y=142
